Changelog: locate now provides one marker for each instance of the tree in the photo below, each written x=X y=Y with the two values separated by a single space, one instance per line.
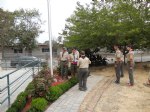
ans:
x=130 y=22
x=27 y=26
x=105 y=23
x=19 y=29
x=7 y=34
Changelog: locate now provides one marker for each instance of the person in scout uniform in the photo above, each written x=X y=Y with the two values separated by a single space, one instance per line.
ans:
x=130 y=64
x=121 y=64
x=64 y=62
x=74 y=57
x=83 y=65
x=118 y=55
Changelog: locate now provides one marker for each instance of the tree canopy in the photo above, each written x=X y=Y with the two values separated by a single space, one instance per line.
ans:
x=27 y=26
x=19 y=28
x=6 y=28
x=105 y=23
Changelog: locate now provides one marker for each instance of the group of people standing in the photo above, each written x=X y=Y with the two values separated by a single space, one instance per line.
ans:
x=78 y=64
x=119 y=61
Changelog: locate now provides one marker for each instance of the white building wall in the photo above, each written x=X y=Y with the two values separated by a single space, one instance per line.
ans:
x=38 y=52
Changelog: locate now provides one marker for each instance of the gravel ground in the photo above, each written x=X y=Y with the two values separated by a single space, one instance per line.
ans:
x=109 y=97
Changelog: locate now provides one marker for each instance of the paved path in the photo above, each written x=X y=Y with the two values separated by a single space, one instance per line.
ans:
x=72 y=99
x=93 y=98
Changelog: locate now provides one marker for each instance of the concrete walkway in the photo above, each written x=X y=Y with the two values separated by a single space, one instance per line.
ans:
x=12 y=77
x=72 y=99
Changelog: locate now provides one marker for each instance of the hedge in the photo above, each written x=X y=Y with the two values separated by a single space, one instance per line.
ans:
x=39 y=104
x=19 y=103
x=53 y=93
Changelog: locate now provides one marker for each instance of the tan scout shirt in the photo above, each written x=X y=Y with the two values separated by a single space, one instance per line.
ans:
x=64 y=56
x=118 y=55
x=74 y=57
x=122 y=57
x=83 y=63
x=130 y=56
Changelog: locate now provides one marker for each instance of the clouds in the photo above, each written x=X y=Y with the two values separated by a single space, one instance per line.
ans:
x=60 y=10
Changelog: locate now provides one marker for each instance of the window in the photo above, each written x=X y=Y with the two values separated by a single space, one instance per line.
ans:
x=45 y=49
x=17 y=50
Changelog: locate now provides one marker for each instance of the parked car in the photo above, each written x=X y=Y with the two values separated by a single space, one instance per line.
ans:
x=24 y=60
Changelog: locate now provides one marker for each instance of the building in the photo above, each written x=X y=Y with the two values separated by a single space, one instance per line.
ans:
x=41 y=51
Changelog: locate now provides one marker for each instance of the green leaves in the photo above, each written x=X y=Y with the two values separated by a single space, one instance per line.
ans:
x=103 y=24
x=28 y=25
x=19 y=28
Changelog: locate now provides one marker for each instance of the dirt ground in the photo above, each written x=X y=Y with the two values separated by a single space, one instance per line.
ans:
x=110 y=97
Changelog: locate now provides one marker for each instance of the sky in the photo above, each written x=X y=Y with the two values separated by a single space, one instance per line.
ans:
x=60 y=11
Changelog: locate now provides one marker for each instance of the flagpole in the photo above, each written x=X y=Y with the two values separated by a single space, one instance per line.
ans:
x=50 y=36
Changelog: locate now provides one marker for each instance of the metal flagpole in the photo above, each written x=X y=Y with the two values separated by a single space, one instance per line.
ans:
x=50 y=36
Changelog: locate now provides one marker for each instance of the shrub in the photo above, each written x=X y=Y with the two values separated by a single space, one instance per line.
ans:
x=67 y=85
x=62 y=87
x=58 y=69
x=12 y=109
x=33 y=110
x=19 y=103
x=30 y=89
x=30 y=86
x=73 y=80
x=53 y=93
x=38 y=105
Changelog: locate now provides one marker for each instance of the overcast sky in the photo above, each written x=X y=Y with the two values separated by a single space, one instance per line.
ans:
x=60 y=10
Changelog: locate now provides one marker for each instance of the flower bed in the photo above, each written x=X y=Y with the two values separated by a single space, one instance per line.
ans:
x=41 y=92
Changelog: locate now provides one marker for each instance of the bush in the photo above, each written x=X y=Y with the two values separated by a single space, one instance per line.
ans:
x=19 y=103
x=73 y=81
x=53 y=93
x=38 y=105
x=58 y=69
x=67 y=85
x=12 y=109
x=30 y=89
x=62 y=87
x=30 y=86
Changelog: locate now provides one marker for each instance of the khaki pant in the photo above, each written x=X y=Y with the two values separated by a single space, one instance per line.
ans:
x=130 y=72
x=64 y=69
x=73 y=69
x=121 y=68
x=117 y=70
x=83 y=74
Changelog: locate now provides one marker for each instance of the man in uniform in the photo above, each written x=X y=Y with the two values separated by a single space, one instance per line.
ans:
x=64 y=62
x=118 y=55
x=83 y=65
x=130 y=64
x=74 y=57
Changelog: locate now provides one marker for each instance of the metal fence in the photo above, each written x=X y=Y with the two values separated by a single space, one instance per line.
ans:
x=13 y=55
x=11 y=82
x=5 y=62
